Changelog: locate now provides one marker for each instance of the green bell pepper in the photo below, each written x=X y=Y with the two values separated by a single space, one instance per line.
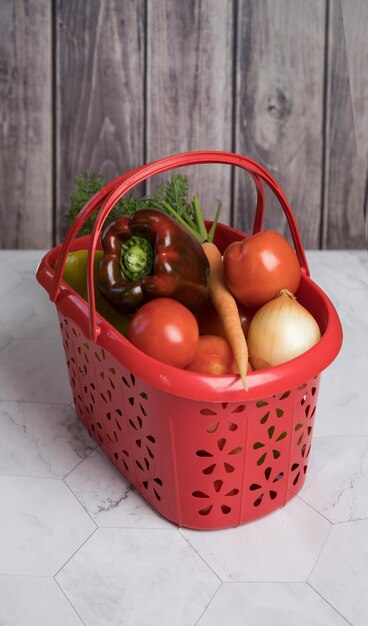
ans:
x=75 y=275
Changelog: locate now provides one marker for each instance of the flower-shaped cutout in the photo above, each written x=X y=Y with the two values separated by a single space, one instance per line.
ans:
x=224 y=506
x=303 y=432
x=220 y=456
x=269 y=447
x=279 y=412
x=268 y=488
x=221 y=443
x=145 y=443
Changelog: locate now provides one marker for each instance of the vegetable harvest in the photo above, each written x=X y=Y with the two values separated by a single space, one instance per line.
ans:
x=162 y=282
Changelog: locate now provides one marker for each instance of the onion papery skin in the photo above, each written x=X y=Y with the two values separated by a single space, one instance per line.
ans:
x=281 y=330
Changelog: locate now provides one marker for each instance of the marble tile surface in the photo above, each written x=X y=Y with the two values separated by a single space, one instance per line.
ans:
x=5 y=336
x=243 y=554
x=78 y=545
x=126 y=576
x=343 y=397
x=263 y=604
x=23 y=306
x=34 y=601
x=337 y=479
x=40 y=439
x=108 y=497
x=41 y=525
x=341 y=573
x=9 y=278
x=34 y=370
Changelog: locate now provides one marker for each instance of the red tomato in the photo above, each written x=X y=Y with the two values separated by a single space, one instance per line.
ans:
x=258 y=267
x=166 y=330
x=213 y=356
x=209 y=322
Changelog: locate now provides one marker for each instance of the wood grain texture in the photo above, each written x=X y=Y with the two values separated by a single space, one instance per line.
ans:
x=25 y=124
x=355 y=18
x=343 y=221
x=365 y=209
x=100 y=91
x=279 y=108
x=107 y=85
x=189 y=90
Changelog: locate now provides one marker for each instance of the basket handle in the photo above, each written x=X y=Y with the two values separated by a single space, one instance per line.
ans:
x=107 y=197
x=96 y=201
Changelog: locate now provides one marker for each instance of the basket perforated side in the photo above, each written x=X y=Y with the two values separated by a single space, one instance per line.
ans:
x=200 y=464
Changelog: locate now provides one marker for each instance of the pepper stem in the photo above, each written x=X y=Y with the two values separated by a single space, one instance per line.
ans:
x=136 y=258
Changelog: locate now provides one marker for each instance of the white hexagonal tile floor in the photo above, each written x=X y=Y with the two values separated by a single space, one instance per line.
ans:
x=5 y=336
x=262 y=604
x=40 y=439
x=79 y=547
x=22 y=303
x=260 y=551
x=341 y=573
x=337 y=479
x=35 y=370
x=135 y=577
x=9 y=278
x=109 y=498
x=34 y=601
x=41 y=525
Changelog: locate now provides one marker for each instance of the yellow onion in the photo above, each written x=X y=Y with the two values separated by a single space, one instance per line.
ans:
x=281 y=330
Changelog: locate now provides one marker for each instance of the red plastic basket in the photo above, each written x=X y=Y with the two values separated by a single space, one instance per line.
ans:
x=202 y=451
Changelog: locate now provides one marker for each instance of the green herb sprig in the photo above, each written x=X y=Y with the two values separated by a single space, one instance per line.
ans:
x=171 y=196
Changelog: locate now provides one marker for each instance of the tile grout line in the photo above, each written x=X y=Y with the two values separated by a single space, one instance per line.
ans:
x=64 y=404
x=360 y=435
x=315 y=510
x=351 y=521
x=348 y=521
x=208 y=604
x=319 y=553
x=68 y=600
x=200 y=556
x=80 y=504
x=32 y=477
x=81 y=461
x=138 y=528
x=329 y=603
x=76 y=551
x=11 y=339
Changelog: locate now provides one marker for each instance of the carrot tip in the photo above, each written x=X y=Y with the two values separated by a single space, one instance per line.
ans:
x=244 y=381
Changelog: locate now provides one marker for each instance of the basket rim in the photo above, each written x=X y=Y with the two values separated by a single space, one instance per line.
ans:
x=192 y=385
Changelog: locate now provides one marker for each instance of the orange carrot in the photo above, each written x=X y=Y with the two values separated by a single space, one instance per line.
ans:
x=225 y=305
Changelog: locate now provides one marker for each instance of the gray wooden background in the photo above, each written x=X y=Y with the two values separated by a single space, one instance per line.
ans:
x=107 y=85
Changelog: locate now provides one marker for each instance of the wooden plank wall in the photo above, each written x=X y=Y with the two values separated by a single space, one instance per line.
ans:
x=280 y=94
x=107 y=85
x=26 y=172
x=357 y=56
